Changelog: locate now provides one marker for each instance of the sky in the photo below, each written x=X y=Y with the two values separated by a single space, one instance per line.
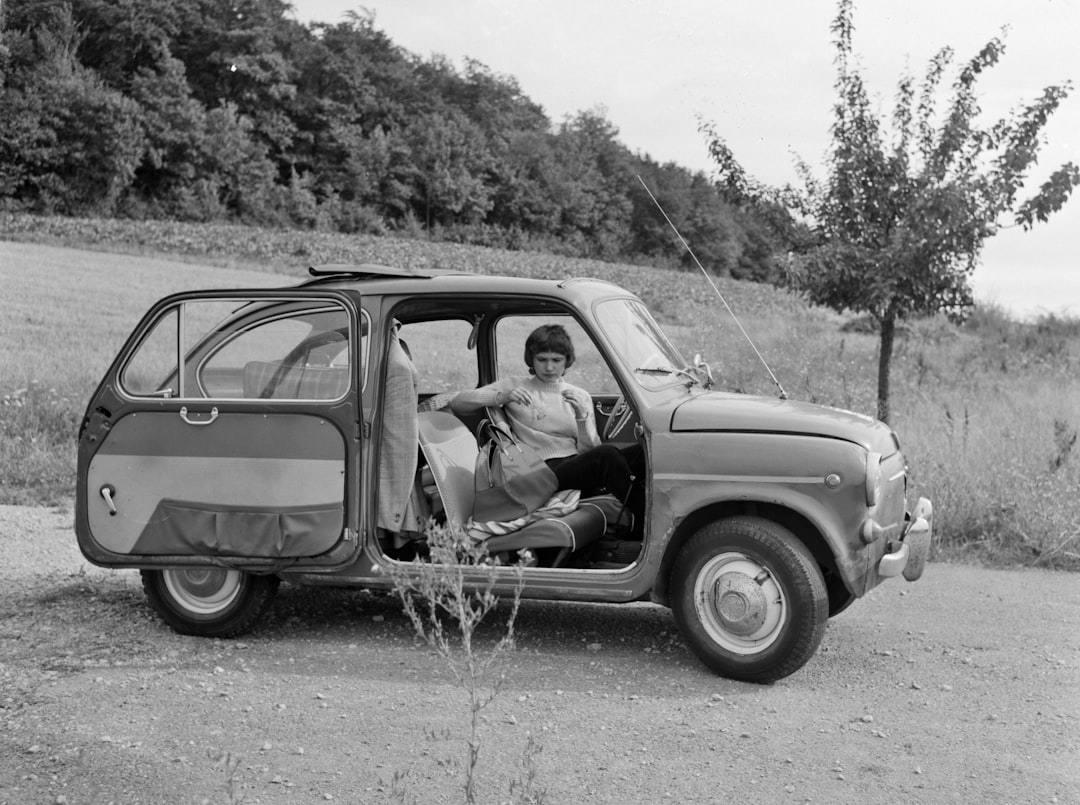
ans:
x=763 y=74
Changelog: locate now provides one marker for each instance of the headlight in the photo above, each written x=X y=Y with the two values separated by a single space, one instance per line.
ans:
x=873 y=478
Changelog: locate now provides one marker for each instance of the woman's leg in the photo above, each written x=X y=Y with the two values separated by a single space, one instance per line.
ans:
x=635 y=502
x=596 y=471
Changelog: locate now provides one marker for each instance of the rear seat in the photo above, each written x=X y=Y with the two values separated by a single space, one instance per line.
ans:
x=278 y=381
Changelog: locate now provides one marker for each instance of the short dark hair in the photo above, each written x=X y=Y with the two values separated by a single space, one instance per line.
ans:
x=549 y=338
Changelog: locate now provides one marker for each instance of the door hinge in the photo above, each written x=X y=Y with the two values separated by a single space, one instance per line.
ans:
x=365 y=429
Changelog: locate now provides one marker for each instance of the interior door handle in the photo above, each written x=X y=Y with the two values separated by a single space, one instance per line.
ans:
x=184 y=416
x=107 y=492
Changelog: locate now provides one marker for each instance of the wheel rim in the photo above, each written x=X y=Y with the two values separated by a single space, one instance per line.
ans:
x=739 y=603
x=203 y=591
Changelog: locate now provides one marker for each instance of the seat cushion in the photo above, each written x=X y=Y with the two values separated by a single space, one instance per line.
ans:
x=586 y=524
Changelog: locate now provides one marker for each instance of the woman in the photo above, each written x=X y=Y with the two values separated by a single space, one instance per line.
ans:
x=555 y=418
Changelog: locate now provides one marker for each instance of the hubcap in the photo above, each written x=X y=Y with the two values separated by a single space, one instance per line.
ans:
x=739 y=603
x=203 y=591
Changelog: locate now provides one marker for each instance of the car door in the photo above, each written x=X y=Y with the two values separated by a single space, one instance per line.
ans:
x=227 y=430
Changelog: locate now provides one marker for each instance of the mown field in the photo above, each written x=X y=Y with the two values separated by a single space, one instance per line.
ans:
x=987 y=413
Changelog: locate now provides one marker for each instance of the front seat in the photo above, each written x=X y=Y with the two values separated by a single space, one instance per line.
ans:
x=451 y=450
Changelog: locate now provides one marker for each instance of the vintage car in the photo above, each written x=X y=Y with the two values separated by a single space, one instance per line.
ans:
x=245 y=437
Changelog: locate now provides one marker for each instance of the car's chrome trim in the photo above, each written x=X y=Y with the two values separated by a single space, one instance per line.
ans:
x=758 y=479
x=893 y=564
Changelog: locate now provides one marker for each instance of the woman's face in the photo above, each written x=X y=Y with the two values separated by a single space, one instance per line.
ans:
x=549 y=366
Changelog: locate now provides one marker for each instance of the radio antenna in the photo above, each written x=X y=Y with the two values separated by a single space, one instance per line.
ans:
x=682 y=240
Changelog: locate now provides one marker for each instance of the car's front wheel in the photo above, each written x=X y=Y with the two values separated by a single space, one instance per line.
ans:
x=209 y=601
x=750 y=599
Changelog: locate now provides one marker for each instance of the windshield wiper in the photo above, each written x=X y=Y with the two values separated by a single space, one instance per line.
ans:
x=663 y=370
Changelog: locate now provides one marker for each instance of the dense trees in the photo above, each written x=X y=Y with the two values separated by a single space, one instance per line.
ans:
x=206 y=110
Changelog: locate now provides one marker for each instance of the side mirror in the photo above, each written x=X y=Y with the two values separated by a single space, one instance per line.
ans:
x=703 y=371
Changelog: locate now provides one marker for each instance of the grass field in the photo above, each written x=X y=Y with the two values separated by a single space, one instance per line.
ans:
x=987 y=413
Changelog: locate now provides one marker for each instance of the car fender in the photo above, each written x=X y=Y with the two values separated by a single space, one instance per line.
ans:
x=820 y=482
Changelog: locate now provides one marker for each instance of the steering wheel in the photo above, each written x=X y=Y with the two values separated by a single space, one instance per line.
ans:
x=621 y=413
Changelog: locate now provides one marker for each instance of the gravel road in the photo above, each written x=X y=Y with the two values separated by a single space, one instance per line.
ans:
x=962 y=688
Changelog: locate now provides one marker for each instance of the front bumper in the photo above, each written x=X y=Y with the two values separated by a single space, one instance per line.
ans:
x=908 y=554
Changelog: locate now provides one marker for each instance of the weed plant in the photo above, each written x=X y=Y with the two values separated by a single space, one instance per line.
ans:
x=446 y=596
x=230 y=765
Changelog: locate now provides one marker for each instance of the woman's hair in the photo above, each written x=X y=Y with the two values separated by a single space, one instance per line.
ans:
x=549 y=338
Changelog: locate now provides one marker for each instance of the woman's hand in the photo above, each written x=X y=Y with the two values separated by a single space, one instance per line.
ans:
x=517 y=395
x=580 y=401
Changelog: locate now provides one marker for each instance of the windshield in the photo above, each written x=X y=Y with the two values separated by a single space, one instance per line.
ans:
x=641 y=344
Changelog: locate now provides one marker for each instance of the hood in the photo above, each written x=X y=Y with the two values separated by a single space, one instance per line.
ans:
x=720 y=411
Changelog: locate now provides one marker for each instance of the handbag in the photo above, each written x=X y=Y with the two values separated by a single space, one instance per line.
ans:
x=511 y=480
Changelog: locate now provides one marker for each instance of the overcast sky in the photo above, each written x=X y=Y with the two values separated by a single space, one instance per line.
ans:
x=762 y=72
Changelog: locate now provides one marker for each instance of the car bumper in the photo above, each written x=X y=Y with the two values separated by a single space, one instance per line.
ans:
x=908 y=554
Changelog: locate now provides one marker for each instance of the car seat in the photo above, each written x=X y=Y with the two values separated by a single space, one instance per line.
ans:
x=450 y=450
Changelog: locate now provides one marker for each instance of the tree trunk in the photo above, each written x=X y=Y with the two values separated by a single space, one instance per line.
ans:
x=888 y=335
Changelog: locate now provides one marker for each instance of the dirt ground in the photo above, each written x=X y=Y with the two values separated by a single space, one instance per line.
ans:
x=961 y=688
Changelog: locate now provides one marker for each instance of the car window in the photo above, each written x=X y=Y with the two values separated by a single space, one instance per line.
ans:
x=440 y=352
x=149 y=370
x=640 y=343
x=284 y=350
x=589 y=371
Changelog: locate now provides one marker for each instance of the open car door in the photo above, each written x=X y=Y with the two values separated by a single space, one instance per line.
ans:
x=227 y=433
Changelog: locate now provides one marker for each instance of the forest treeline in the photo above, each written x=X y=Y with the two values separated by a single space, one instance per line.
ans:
x=207 y=110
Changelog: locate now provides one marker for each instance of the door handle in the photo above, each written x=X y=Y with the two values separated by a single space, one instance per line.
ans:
x=184 y=416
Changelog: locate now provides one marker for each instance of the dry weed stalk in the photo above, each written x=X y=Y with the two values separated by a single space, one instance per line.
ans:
x=443 y=588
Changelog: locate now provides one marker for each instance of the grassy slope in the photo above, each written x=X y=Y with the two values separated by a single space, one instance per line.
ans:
x=987 y=417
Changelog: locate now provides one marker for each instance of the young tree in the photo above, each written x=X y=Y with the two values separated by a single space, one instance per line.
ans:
x=898 y=227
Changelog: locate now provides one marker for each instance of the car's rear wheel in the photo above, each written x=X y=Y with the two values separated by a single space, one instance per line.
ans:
x=750 y=599
x=209 y=601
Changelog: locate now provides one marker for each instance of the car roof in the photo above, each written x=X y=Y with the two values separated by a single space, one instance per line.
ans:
x=387 y=280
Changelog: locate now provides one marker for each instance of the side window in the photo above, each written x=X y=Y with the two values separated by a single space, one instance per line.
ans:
x=231 y=349
x=440 y=352
x=589 y=371
x=151 y=371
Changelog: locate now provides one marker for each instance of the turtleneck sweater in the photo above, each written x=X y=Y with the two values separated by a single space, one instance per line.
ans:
x=548 y=425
